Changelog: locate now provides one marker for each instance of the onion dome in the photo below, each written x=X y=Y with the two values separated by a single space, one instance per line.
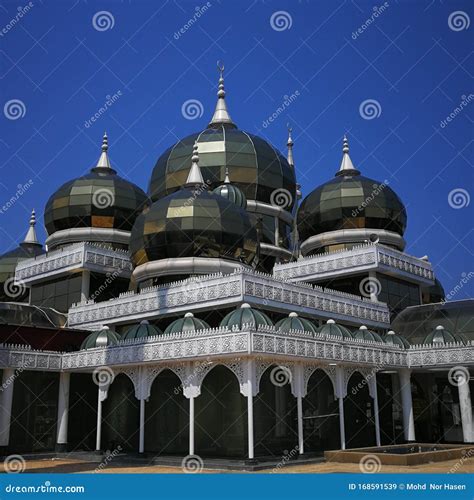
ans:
x=99 y=199
x=101 y=338
x=29 y=248
x=246 y=315
x=368 y=335
x=142 y=330
x=187 y=324
x=332 y=329
x=294 y=322
x=231 y=192
x=441 y=336
x=353 y=204
x=257 y=168
x=397 y=340
x=189 y=224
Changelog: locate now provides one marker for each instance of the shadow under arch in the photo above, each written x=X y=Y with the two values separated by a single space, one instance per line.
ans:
x=120 y=416
x=220 y=416
x=320 y=414
x=275 y=414
x=359 y=413
x=167 y=416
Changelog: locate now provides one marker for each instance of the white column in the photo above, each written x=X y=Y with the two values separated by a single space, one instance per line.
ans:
x=250 y=389
x=141 y=444
x=6 y=400
x=191 y=425
x=376 y=410
x=342 y=430
x=374 y=288
x=102 y=395
x=340 y=393
x=407 y=405
x=466 y=410
x=299 y=403
x=85 y=285
x=63 y=410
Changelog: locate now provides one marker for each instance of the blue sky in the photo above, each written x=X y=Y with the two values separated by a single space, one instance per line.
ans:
x=413 y=64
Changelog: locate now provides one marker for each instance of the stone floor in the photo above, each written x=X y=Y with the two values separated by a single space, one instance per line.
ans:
x=78 y=466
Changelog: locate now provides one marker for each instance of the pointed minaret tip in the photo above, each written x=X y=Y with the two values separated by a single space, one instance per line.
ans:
x=347 y=167
x=31 y=234
x=195 y=176
x=221 y=114
x=104 y=157
x=290 y=146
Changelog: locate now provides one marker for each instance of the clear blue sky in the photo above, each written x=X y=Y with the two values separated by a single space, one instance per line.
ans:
x=415 y=60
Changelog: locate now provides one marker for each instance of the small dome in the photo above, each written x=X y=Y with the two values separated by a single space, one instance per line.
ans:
x=332 y=329
x=294 y=322
x=368 y=335
x=99 y=199
x=142 y=330
x=187 y=324
x=101 y=338
x=397 y=340
x=441 y=336
x=248 y=316
x=231 y=193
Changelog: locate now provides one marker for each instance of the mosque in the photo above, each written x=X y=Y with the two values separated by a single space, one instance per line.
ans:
x=222 y=315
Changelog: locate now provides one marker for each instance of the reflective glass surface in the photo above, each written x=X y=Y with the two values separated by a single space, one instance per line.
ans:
x=254 y=165
x=348 y=202
x=193 y=224
x=94 y=200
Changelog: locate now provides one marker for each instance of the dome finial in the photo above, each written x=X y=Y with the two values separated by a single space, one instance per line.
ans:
x=226 y=178
x=195 y=177
x=347 y=167
x=290 y=146
x=104 y=158
x=221 y=115
x=31 y=234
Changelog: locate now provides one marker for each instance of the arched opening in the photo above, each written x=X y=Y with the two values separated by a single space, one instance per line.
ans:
x=82 y=412
x=275 y=414
x=359 y=413
x=120 y=416
x=320 y=415
x=167 y=416
x=220 y=416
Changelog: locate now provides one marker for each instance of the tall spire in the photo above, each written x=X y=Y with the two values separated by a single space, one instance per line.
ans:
x=290 y=147
x=104 y=162
x=347 y=167
x=195 y=177
x=221 y=115
x=31 y=237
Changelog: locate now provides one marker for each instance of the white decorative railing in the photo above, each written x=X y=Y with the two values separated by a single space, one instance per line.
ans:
x=91 y=256
x=226 y=290
x=358 y=259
